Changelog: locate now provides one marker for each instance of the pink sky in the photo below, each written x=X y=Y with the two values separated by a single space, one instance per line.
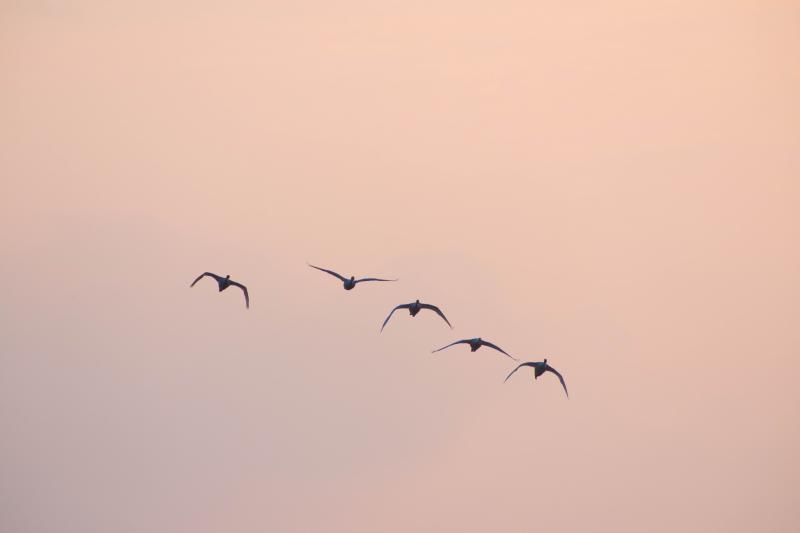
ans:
x=614 y=186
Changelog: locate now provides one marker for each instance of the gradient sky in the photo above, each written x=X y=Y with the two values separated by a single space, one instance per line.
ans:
x=612 y=185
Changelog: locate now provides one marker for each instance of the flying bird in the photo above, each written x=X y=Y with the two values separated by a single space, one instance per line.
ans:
x=224 y=283
x=539 y=368
x=414 y=308
x=474 y=344
x=349 y=284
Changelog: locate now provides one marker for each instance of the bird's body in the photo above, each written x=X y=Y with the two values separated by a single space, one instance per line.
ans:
x=348 y=283
x=414 y=308
x=476 y=343
x=539 y=368
x=224 y=283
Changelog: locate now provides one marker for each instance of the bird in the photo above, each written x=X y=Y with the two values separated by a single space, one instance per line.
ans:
x=349 y=284
x=414 y=308
x=539 y=368
x=224 y=283
x=474 y=344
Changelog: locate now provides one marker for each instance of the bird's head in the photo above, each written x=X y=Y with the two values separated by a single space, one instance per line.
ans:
x=228 y=276
x=478 y=339
x=417 y=302
x=352 y=278
x=545 y=360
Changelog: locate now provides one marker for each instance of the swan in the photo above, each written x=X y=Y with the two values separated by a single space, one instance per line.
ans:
x=224 y=283
x=474 y=344
x=540 y=367
x=414 y=308
x=349 y=284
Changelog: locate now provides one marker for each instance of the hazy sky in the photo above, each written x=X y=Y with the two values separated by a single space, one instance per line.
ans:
x=612 y=185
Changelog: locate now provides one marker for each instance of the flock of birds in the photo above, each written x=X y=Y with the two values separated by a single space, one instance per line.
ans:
x=539 y=367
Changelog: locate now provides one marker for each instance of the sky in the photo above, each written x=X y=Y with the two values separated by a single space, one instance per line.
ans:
x=611 y=185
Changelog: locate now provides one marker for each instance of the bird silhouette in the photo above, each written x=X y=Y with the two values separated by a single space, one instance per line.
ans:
x=414 y=308
x=474 y=344
x=224 y=283
x=539 y=368
x=348 y=284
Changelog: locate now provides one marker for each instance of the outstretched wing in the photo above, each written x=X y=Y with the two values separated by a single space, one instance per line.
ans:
x=465 y=341
x=499 y=349
x=331 y=272
x=204 y=274
x=402 y=306
x=244 y=290
x=373 y=279
x=438 y=312
x=518 y=367
x=560 y=377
